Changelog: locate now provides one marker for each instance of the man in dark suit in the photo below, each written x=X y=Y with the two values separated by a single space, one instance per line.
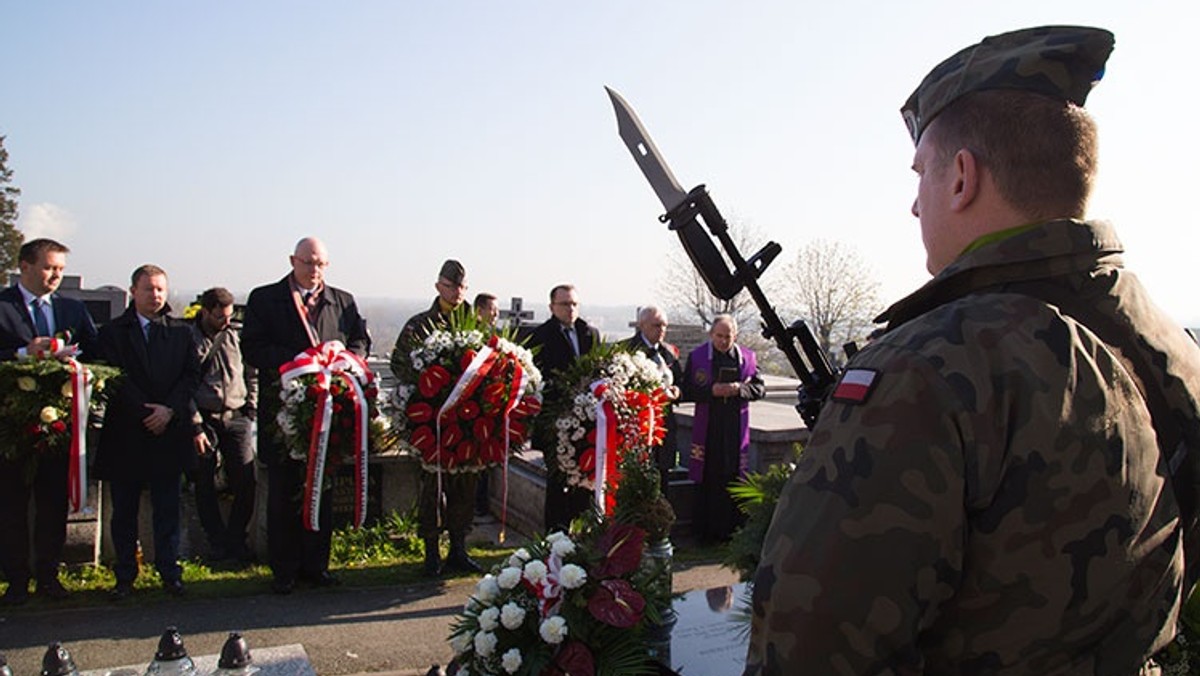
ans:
x=282 y=320
x=148 y=435
x=650 y=341
x=563 y=338
x=30 y=313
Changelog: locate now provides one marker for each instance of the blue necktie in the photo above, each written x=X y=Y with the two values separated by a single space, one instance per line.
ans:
x=40 y=321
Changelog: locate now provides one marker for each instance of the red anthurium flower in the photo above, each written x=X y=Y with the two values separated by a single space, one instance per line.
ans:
x=493 y=450
x=466 y=451
x=494 y=393
x=484 y=429
x=419 y=412
x=467 y=356
x=573 y=660
x=622 y=546
x=587 y=461
x=451 y=435
x=528 y=406
x=450 y=416
x=468 y=410
x=423 y=439
x=432 y=380
x=516 y=430
x=617 y=604
x=591 y=436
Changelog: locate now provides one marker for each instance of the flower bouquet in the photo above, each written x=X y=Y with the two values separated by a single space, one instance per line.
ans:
x=464 y=404
x=48 y=399
x=614 y=404
x=329 y=411
x=565 y=605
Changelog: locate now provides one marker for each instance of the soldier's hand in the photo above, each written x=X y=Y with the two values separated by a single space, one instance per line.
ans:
x=200 y=443
x=160 y=416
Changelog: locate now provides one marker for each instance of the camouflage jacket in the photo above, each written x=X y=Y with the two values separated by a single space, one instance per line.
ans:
x=989 y=496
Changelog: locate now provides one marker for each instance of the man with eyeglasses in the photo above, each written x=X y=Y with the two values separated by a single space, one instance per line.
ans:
x=563 y=338
x=282 y=320
x=457 y=489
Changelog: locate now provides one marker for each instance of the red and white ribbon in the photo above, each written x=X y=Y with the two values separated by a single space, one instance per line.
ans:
x=81 y=396
x=606 y=445
x=519 y=382
x=327 y=361
x=468 y=381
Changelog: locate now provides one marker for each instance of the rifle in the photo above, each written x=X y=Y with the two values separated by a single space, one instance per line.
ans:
x=688 y=214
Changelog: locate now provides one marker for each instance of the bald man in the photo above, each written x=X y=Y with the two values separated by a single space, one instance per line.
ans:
x=282 y=320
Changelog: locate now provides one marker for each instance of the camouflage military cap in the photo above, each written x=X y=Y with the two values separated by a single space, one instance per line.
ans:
x=1059 y=61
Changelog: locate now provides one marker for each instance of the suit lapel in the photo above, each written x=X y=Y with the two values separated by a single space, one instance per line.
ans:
x=17 y=300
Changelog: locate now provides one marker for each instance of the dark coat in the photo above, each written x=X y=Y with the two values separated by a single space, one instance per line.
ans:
x=16 y=325
x=668 y=352
x=166 y=372
x=556 y=353
x=273 y=334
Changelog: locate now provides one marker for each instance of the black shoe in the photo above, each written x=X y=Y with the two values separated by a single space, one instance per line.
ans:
x=459 y=562
x=17 y=594
x=121 y=591
x=52 y=589
x=173 y=587
x=322 y=579
x=282 y=587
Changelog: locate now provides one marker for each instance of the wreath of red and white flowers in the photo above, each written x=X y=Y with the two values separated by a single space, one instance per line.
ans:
x=329 y=403
x=469 y=404
x=617 y=401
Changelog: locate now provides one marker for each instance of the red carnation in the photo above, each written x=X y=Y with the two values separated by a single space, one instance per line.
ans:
x=58 y=426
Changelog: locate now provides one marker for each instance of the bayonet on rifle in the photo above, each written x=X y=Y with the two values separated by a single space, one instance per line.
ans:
x=688 y=214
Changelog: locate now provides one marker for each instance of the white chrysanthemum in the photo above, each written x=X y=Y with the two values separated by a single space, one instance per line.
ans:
x=553 y=630
x=489 y=619
x=512 y=616
x=535 y=572
x=511 y=661
x=487 y=590
x=510 y=576
x=555 y=537
x=485 y=643
x=521 y=555
x=572 y=576
x=460 y=642
x=563 y=548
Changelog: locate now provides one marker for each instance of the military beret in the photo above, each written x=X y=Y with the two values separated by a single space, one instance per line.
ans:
x=453 y=271
x=1063 y=62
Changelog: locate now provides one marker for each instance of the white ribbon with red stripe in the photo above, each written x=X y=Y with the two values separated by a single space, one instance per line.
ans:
x=327 y=361
x=466 y=385
x=606 y=436
x=81 y=397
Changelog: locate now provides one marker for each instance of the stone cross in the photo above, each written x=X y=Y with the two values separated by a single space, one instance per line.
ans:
x=514 y=314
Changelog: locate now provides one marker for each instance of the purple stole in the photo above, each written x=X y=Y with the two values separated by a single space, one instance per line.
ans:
x=700 y=375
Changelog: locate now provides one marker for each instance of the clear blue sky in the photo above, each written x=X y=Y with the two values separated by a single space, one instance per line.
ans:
x=209 y=137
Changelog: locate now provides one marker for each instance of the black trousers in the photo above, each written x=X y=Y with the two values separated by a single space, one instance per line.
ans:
x=49 y=493
x=235 y=444
x=164 y=504
x=564 y=503
x=292 y=549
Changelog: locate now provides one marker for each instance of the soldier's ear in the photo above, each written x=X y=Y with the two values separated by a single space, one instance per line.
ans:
x=966 y=180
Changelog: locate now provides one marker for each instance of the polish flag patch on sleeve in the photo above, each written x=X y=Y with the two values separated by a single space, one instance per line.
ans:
x=855 y=385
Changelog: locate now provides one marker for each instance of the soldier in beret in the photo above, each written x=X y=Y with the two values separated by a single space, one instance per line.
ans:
x=1003 y=482
x=458 y=489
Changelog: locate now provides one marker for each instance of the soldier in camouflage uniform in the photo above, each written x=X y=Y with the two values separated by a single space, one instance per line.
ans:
x=457 y=490
x=985 y=491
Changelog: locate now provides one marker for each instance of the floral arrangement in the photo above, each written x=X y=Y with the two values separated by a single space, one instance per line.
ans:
x=329 y=411
x=465 y=402
x=565 y=605
x=614 y=404
x=48 y=399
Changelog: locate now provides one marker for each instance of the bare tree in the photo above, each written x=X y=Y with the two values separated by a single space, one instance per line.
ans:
x=685 y=295
x=828 y=285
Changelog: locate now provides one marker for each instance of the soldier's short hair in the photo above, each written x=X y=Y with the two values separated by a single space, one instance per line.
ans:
x=1041 y=151
x=561 y=287
x=216 y=297
x=32 y=250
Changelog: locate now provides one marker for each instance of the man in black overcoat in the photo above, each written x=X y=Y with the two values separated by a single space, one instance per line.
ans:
x=282 y=320
x=148 y=435
x=23 y=331
x=563 y=338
